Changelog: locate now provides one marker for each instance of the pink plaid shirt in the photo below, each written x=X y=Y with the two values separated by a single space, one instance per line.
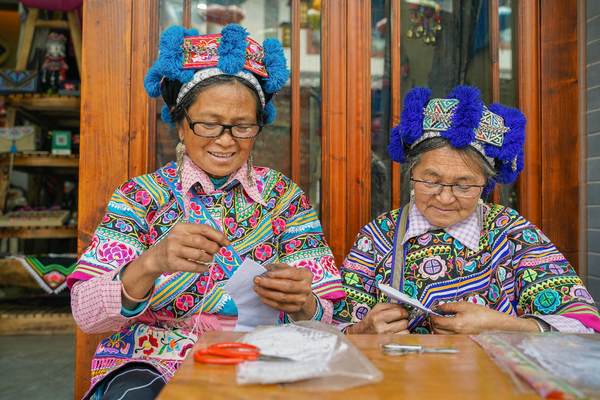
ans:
x=192 y=174
x=467 y=232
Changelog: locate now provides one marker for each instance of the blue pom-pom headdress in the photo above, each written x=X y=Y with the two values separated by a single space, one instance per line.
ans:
x=497 y=132
x=189 y=58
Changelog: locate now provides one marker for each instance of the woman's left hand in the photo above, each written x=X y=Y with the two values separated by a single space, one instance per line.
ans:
x=473 y=318
x=287 y=289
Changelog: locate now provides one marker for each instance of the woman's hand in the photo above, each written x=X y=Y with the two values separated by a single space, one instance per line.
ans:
x=185 y=242
x=473 y=318
x=287 y=289
x=388 y=318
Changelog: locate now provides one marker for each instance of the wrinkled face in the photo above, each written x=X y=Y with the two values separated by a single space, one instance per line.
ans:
x=224 y=104
x=446 y=166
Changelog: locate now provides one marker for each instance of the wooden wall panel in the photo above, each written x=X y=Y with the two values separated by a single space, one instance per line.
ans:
x=559 y=125
x=395 y=37
x=528 y=74
x=144 y=49
x=105 y=122
x=334 y=159
x=358 y=135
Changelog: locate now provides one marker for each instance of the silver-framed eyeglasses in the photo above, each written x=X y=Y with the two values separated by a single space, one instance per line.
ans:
x=214 y=130
x=457 y=190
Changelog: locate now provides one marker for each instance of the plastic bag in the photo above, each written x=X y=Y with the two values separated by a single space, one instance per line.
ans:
x=324 y=359
x=554 y=364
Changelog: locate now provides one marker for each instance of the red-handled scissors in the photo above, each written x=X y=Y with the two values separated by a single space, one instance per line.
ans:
x=233 y=353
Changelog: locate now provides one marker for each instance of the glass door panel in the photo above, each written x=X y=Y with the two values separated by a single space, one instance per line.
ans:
x=381 y=164
x=310 y=101
x=445 y=43
x=507 y=15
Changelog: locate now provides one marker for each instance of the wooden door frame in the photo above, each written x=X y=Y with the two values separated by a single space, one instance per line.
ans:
x=346 y=122
x=548 y=187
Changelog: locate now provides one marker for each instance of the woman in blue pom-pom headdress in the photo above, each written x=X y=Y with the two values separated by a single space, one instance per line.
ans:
x=479 y=267
x=157 y=268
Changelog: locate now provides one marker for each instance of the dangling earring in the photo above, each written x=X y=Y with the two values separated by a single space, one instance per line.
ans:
x=480 y=210
x=179 y=152
x=412 y=198
x=249 y=172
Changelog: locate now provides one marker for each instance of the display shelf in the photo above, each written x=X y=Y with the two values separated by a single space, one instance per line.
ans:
x=44 y=102
x=40 y=160
x=51 y=111
x=17 y=319
x=63 y=232
x=13 y=273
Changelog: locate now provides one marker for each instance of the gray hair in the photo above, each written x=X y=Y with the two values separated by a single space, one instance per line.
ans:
x=468 y=154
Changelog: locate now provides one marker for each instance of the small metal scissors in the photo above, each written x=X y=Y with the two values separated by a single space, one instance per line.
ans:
x=233 y=353
x=394 y=349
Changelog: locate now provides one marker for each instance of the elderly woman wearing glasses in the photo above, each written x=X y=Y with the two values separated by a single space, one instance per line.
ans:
x=477 y=263
x=170 y=240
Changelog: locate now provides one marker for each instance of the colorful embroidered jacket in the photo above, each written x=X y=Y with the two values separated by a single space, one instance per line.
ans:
x=515 y=264
x=276 y=224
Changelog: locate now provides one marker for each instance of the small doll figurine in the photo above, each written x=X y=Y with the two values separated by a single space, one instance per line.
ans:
x=54 y=67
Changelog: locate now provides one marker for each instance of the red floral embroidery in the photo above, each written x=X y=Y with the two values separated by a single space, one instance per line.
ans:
x=216 y=273
x=304 y=203
x=292 y=245
x=143 y=197
x=128 y=187
x=278 y=226
x=312 y=267
x=166 y=313
x=279 y=187
x=171 y=172
x=184 y=302
x=328 y=264
x=263 y=252
x=230 y=224
x=226 y=254
x=151 y=215
x=255 y=214
x=291 y=209
x=149 y=343
x=204 y=284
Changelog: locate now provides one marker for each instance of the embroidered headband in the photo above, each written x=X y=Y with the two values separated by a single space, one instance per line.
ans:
x=190 y=58
x=496 y=132
x=203 y=74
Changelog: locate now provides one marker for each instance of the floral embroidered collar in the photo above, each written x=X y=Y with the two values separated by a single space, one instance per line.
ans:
x=192 y=174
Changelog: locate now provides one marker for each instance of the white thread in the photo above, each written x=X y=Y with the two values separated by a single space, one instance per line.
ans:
x=139 y=387
x=156 y=373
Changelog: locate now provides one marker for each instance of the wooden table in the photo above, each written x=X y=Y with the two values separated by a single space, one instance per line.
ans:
x=469 y=374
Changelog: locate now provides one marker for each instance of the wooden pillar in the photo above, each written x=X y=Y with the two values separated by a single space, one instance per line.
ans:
x=105 y=124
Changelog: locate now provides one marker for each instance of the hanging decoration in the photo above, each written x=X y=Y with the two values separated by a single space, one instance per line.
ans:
x=425 y=20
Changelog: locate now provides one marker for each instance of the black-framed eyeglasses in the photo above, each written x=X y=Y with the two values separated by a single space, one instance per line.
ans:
x=214 y=130
x=457 y=190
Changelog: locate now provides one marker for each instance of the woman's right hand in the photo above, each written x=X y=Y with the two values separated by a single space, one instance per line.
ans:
x=185 y=242
x=387 y=318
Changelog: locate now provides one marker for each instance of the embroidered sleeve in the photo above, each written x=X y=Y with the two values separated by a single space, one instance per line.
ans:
x=358 y=278
x=121 y=237
x=302 y=244
x=544 y=281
